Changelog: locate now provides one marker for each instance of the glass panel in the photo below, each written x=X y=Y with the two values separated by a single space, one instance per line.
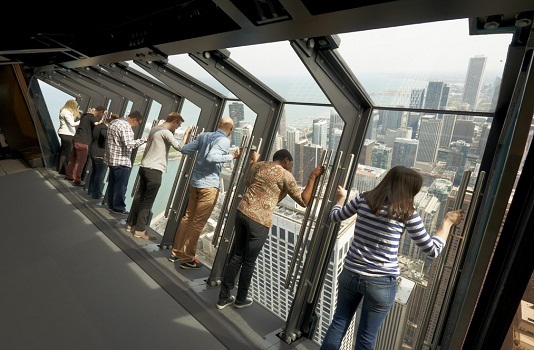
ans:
x=305 y=131
x=244 y=119
x=186 y=64
x=190 y=113
x=273 y=63
x=55 y=99
x=440 y=147
x=432 y=65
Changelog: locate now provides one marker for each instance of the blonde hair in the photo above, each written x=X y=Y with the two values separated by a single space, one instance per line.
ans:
x=72 y=106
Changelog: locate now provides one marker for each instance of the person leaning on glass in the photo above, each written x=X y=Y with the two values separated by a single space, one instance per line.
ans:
x=371 y=270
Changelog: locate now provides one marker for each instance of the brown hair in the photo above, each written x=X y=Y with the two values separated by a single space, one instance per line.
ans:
x=396 y=191
x=137 y=116
x=174 y=116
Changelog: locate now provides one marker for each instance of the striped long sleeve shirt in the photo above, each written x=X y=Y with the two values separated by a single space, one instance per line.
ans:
x=375 y=244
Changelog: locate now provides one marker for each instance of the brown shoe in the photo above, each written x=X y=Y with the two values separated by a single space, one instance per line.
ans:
x=145 y=235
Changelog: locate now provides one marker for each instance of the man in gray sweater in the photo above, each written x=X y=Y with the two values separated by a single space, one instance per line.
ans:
x=153 y=165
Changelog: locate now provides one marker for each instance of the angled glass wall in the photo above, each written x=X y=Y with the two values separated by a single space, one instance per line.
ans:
x=431 y=65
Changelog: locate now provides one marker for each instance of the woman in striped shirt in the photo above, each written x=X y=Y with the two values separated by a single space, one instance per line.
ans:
x=371 y=269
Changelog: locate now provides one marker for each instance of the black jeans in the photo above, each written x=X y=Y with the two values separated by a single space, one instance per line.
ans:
x=250 y=237
x=149 y=184
x=64 y=153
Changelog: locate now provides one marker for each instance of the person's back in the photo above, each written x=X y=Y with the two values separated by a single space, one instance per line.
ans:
x=81 y=141
x=84 y=131
x=208 y=166
x=370 y=269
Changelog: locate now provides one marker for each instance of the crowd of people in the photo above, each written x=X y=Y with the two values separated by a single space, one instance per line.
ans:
x=370 y=272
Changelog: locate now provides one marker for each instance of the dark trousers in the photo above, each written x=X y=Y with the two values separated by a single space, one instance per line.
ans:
x=250 y=237
x=64 y=153
x=149 y=184
x=117 y=185
x=96 y=181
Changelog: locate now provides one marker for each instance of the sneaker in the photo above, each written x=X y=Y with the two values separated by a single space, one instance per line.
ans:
x=224 y=302
x=173 y=258
x=145 y=235
x=78 y=183
x=124 y=212
x=193 y=264
x=242 y=304
x=128 y=228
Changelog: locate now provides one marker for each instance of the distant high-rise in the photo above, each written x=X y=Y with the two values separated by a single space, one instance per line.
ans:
x=391 y=120
x=282 y=125
x=404 y=152
x=381 y=157
x=237 y=113
x=320 y=133
x=429 y=136
x=413 y=122
x=449 y=120
x=416 y=98
x=366 y=152
x=464 y=130
x=336 y=123
x=391 y=135
x=473 y=81
x=292 y=136
x=437 y=95
x=298 y=160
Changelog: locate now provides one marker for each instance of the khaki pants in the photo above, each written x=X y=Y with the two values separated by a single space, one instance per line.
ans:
x=199 y=207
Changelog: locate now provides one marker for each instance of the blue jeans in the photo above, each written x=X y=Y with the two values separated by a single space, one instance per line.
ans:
x=250 y=237
x=117 y=185
x=378 y=295
x=96 y=181
x=149 y=184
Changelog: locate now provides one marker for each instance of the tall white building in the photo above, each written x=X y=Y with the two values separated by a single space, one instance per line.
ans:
x=429 y=136
x=320 y=133
x=473 y=81
x=292 y=137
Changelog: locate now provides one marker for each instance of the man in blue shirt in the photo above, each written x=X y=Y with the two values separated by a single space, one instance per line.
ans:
x=212 y=150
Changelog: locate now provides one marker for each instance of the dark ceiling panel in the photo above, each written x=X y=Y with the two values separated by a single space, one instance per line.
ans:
x=322 y=7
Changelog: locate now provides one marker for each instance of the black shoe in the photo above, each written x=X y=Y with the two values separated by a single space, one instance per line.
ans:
x=242 y=304
x=173 y=258
x=124 y=212
x=78 y=183
x=97 y=197
x=224 y=302
x=191 y=265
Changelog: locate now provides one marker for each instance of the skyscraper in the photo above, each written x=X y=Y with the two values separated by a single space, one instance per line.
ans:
x=429 y=136
x=404 y=152
x=437 y=95
x=292 y=136
x=416 y=98
x=381 y=157
x=237 y=113
x=336 y=123
x=449 y=120
x=320 y=133
x=473 y=81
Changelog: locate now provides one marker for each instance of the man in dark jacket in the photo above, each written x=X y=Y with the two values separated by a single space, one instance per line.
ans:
x=81 y=141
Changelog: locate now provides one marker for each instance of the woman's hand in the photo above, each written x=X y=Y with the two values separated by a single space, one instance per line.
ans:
x=454 y=217
x=341 y=193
